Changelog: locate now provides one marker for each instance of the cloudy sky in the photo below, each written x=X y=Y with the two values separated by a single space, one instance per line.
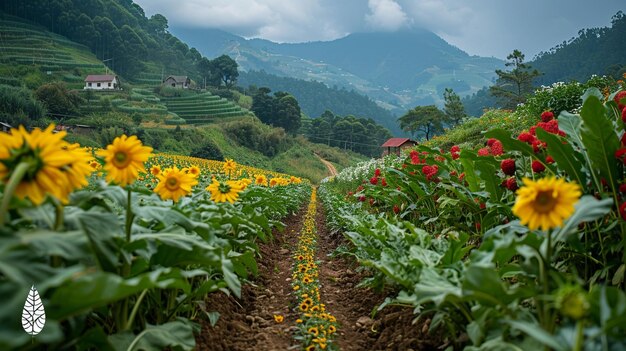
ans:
x=480 y=27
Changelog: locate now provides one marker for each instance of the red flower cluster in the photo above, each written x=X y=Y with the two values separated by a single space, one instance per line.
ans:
x=508 y=166
x=618 y=98
x=547 y=116
x=374 y=180
x=455 y=151
x=494 y=147
x=415 y=157
x=537 y=166
x=430 y=171
x=510 y=183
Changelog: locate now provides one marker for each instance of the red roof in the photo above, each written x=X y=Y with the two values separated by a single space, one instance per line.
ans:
x=397 y=142
x=99 y=78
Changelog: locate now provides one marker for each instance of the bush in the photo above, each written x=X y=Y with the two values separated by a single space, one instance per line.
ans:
x=257 y=136
x=209 y=150
x=18 y=106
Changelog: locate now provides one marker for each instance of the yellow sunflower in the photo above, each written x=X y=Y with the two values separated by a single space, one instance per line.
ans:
x=124 y=159
x=545 y=203
x=260 y=179
x=51 y=165
x=229 y=165
x=224 y=191
x=155 y=170
x=174 y=184
x=194 y=170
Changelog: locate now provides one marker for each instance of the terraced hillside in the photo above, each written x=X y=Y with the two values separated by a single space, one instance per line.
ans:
x=24 y=46
x=204 y=108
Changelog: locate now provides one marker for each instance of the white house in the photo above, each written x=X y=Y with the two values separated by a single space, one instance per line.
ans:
x=101 y=82
x=177 y=82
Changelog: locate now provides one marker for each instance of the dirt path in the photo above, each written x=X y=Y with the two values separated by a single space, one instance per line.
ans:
x=248 y=323
x=331 y=168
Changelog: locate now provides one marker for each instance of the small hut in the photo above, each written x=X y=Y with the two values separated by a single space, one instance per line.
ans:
x=181 y=82
x=395 y=145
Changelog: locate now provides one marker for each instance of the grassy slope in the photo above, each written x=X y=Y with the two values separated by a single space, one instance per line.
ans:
x=299 y=160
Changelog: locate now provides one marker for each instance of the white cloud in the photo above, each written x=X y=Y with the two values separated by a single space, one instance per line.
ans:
x=386 y=15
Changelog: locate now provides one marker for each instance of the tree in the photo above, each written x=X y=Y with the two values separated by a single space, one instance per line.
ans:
x=58 y=99
x=225 y=68
x=263 y=105
x=427 y=120
x=453 y=108
x=513 y=86
x=287 y=112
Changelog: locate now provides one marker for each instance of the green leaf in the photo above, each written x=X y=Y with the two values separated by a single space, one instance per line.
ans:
x=488 y=175
x=537 y=333
x=599 y=137
x=567 y=159
x=467 y=160
x=230 y=277
x=213 y=317
x=509 y=143
x=588 y=209
x=483 y=284
x=177 y=335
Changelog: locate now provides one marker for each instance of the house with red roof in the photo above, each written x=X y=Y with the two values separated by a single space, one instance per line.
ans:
x=102 y=82
x=395 y=145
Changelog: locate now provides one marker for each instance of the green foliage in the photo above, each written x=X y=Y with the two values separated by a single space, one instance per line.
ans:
x=440 y=230
x=356 y=134
x=315 y=97
x=106 y=290
x=593 y=51
x=257 y=136
x=426 y=121
x=453 y=108
x=58 y=100
x=512 y=87
x=281 y=110
x=19 y=106
x=208 y=150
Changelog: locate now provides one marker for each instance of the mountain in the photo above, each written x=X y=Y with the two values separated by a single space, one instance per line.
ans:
x=315 y=98
x=594 y=51
x=398 y=70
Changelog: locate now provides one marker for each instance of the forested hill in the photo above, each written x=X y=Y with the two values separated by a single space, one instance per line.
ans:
x=315 y=97
x=116 y=31
x=594 y=51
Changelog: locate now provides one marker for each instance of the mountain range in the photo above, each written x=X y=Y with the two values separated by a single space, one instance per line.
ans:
x=397 y=70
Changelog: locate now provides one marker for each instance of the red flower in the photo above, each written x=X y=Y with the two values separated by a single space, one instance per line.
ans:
x=372 y=202
x=455 y=148
x=508 y=166
x=496 y=148
x=532 y=130
x=374 y=180
x=396 y=209
x=546 y=116
x=618 y=99
x=452 y=173
x=491 y=141
x=537 y=166
x=549 y=160
x=551 y=126
x=623 y=139
x=383 y=182
x=377 y=172
x=526 y=137
x=455 y=155
x=511 y=184
x=439 y=158
x=624 y=115
x=462 y=176
x=622 y=210
x=359 y=188
x=483 y=151
x=415 y=157
x=477 y=226
x=361 y=198
x=538 y=145
x=622 y=188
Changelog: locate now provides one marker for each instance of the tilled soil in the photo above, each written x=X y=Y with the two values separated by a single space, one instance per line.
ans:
x=248 y=323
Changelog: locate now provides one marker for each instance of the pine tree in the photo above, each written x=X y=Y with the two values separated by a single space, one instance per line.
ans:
x=512 y=87
x=453 y=108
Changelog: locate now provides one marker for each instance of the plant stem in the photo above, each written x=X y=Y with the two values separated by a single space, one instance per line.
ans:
x=9 y=190
x=580 y=336
x=129 y=216
x=58 y=215
x=133 y=313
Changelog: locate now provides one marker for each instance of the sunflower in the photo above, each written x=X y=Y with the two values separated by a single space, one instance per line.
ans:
x=224 y=191
x=260 y=179
x=274 y=182
x=155 y=170
x=124 y=159
x=194 y=170
x=313 y=331
x=51 y=165
x=304 y=307
x=174 y=184
x=229 y=165
x=545 y=203
x=278 y=318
